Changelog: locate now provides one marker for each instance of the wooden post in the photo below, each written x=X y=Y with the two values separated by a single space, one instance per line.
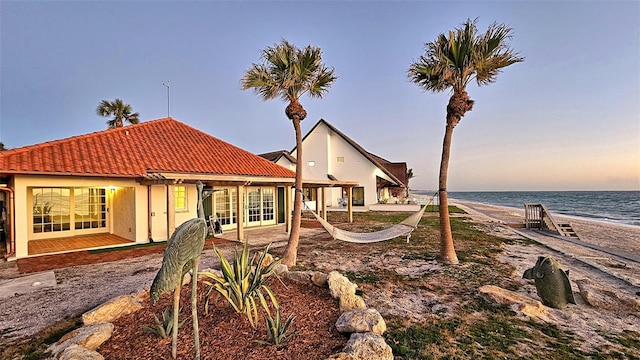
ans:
x=171 y=211
x=240 y=212
x=349 y=206
x=324 y=203
x=287 y=208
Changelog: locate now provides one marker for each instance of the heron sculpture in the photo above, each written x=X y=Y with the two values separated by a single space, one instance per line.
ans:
x=181 y=255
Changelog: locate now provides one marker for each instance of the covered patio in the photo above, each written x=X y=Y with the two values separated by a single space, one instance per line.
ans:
x=74 y=243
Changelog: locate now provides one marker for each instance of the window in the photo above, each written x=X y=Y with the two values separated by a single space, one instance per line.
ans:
x=357 y=195
x=90 y=208
x=340 y=159
x=311 y=163
x=268 y=203
x=180 y=196
x=51 y=209
x=310 y=194
x=56 y=209
x=225 y=200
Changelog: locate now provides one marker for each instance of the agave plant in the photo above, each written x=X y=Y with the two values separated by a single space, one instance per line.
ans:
x=242 y=283
x=277 y=330
x=163 y=328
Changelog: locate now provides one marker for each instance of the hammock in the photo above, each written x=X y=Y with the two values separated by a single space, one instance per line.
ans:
x=402 y=229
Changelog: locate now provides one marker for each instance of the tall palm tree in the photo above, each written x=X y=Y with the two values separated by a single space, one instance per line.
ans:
x=409 y=177
x=451 y=62
x=120 y=111
x=288 y=73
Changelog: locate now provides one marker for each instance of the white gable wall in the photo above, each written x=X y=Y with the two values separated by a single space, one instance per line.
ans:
x=323 y=147
x=285 y=163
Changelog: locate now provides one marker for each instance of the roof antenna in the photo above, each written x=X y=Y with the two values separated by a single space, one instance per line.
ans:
x=166 y=84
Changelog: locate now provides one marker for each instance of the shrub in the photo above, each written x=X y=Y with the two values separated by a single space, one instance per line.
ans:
x=277 y=330
x=241 y=283
x=165 y=327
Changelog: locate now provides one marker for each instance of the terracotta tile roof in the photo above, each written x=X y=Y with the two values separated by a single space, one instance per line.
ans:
x=163 y=145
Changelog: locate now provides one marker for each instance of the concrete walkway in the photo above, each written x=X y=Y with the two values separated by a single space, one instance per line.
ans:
x=25 y=284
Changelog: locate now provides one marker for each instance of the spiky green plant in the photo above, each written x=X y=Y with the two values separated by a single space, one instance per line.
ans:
x=242 y=283
x=164 y=327
x=277 y=330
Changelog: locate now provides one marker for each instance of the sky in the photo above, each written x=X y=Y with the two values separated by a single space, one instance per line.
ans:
x=567 y=118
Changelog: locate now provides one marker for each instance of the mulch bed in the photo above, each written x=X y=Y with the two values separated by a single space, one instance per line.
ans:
x=225 y=334
x=85 y=257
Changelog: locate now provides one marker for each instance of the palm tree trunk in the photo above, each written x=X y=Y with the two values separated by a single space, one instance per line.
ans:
x=291 y=252
x=447 y=251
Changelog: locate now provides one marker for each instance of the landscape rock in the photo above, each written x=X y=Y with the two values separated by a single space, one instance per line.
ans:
x=361 y=321
x=299 y=276
x=339 y=285
x=280 y=269
x=368 y=346
x=77 y=352
x=319 y=278
x=113 y=309
x=350 y=302
x=209 y=270
x=186 y=279
x=89 y=337
x=601 y=298
x=342 y=356
x=519 y=303
x=268 y=259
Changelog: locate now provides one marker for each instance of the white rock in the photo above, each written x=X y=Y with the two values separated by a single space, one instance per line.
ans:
x=361 y=321
x=368 y=346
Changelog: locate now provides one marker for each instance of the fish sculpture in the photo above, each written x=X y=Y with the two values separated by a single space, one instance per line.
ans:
x=552 y=283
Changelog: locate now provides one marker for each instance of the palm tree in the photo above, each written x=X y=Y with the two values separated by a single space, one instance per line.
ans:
x=409 y=177
x=120 y=111
x=451 y=62
x=288 y=73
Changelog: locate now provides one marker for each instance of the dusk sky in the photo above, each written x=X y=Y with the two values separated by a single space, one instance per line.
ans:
x=567 y=118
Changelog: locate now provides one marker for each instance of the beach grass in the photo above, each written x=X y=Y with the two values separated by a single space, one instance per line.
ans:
x=472 y=327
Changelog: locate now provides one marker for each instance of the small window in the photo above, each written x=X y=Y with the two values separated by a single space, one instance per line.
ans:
x=340 y=159
x=311 y=163
x=180 y=196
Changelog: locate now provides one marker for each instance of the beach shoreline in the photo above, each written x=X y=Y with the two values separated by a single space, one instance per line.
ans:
x=619 y=237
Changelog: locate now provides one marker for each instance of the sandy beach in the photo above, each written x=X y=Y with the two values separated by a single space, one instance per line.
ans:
x=615 y=250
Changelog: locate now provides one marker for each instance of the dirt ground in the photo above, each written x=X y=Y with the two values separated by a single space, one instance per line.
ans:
x=81 y=288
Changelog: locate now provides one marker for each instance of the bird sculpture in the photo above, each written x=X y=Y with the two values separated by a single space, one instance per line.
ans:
x=181 y=255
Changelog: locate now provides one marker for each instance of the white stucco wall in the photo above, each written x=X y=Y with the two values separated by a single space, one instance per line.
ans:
x=123 y=213
x=323 y=147
x=23 y=202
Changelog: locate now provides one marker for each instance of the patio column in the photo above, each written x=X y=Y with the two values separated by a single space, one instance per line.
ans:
x=171 y=216
x=324 y=203
x=240 y=212
x=349 y=206
x=287 y=208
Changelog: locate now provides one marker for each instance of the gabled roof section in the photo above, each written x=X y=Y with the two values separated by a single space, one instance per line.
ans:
x=399 y=169
x=274 y=156
x=163 y=145
x=376 y=160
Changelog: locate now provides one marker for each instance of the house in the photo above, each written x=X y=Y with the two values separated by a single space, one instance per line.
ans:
x=330 y=154
x=135 y=184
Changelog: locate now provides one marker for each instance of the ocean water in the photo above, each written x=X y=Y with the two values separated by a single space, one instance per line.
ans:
x=621 y=207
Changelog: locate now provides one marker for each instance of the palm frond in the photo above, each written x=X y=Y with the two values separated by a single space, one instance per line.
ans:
x=459 y=56
x=288 y=73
